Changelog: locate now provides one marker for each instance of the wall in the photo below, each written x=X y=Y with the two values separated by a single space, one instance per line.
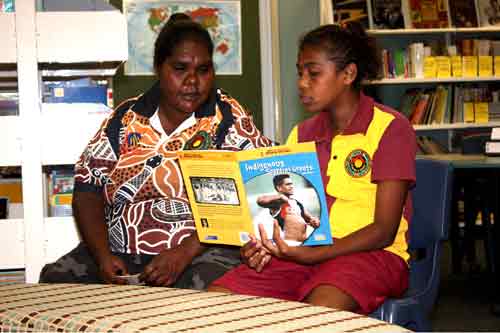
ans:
x=246 y=88
x=296 y=17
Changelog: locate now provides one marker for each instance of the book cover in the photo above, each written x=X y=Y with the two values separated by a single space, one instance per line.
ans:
x=350 y=10
x=231 y=193
x=387 y=14
x=463 y=13
x=429 y=14
x=488 y=12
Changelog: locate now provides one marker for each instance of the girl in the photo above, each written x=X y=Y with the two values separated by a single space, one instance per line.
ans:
x=367 y=157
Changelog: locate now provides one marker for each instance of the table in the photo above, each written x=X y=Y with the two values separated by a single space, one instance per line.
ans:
x=113 y=308
x=466 y=168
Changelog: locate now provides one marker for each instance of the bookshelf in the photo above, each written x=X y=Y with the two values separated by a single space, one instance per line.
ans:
x=390 y=90
x=38 y=46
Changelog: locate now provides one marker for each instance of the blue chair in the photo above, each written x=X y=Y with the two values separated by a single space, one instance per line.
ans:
x=429 y=227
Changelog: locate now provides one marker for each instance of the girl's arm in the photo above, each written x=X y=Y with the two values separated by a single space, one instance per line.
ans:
x=390 y=200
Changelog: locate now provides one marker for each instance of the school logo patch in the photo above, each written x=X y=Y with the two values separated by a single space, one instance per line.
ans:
x=199 y=141
x=358 y=163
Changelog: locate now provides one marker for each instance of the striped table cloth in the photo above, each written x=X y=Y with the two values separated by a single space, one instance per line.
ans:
x=113 y=308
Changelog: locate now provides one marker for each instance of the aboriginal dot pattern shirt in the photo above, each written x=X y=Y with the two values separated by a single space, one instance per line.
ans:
x=136 y=169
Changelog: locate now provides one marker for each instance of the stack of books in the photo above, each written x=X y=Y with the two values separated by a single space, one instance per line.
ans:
x=493 y=147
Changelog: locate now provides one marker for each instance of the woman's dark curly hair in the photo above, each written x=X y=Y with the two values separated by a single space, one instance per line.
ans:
x=178 y=29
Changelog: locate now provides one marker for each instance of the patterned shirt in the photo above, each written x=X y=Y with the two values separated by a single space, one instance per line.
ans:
x=136 y=168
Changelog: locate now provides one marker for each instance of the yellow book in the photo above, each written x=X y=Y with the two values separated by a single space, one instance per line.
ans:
x=485 y=66
x=497 y=65
x=456 y=66
x=430 y=67
x=481 y=112
x=468 y=112
x=443 y=65
x=231 y=193
x=470 y=66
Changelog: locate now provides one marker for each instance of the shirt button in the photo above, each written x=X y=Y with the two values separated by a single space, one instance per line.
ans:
x=334 y=157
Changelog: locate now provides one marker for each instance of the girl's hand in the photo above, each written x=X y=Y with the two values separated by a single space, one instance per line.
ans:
x=254 y=254
x=279 y=248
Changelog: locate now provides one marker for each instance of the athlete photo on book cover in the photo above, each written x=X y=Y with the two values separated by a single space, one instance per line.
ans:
x=290 y=200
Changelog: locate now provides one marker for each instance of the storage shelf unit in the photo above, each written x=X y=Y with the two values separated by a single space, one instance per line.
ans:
x=400 y=36
x=44 y=45
x=432 y=80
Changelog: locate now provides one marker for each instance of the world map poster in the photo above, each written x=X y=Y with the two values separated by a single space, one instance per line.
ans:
x=145 y=18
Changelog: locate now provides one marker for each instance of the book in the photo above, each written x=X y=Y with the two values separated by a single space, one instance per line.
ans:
x=488 y=12
x=350 y=10
x=428 y=14
x=463 y=13
x=231 y=193
x=387 y=14
x=60 y=192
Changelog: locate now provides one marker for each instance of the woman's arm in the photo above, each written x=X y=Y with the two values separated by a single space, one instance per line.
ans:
x=167 y=266
x=88 y=209
x=390 y=200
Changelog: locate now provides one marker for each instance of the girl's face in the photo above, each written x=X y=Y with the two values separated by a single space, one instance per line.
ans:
x=319 y=82
x=186 y=77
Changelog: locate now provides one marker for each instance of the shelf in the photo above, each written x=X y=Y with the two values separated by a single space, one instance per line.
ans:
x=8 y=38
x=432 y=80
x=76 y=37
x=379 y=32
x=55 y=245
x=68 y=128
x=12 y=240
x=455 y=126
x=10 y=137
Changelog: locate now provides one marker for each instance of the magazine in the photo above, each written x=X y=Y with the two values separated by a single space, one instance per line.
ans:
x=387 y=14
x=463 y=13
x=350 y=10
x=428 y=14
x=488 y=12
x=231 y=193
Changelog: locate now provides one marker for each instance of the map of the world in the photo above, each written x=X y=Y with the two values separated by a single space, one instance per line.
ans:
x=145 y=19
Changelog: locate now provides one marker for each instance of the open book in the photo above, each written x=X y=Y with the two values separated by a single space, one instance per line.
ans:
x=231 y=193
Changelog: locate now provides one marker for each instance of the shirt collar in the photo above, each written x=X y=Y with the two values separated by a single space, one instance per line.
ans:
x=358 y=124
x=155 y=122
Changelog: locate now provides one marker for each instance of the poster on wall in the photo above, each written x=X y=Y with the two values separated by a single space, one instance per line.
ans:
x=145 y=18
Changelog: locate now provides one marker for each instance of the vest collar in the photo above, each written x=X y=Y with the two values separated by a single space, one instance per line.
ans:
x=359 y=123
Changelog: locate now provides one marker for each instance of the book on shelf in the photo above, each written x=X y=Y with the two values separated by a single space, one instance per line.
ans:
x=387 y=14
x=492 y=148
x=428 y=14
x=488 y=12
x=350 y=10
x=463 y=13
x=231 y=193
x=60 y=192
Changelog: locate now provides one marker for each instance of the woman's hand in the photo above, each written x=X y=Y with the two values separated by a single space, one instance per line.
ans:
x=166 y=267
x=110 y=267
x=254 y=254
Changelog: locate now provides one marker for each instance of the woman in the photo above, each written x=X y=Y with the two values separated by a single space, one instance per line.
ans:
x=129 y=198
x=367 y=157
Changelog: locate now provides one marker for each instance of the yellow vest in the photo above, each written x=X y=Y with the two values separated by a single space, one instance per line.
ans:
x=350 y=183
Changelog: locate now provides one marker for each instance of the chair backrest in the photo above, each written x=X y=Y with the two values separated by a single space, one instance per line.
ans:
x=429 y=226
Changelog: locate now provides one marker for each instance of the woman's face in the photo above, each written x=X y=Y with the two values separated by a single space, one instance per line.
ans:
x=318 y=80
x=186 y=77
